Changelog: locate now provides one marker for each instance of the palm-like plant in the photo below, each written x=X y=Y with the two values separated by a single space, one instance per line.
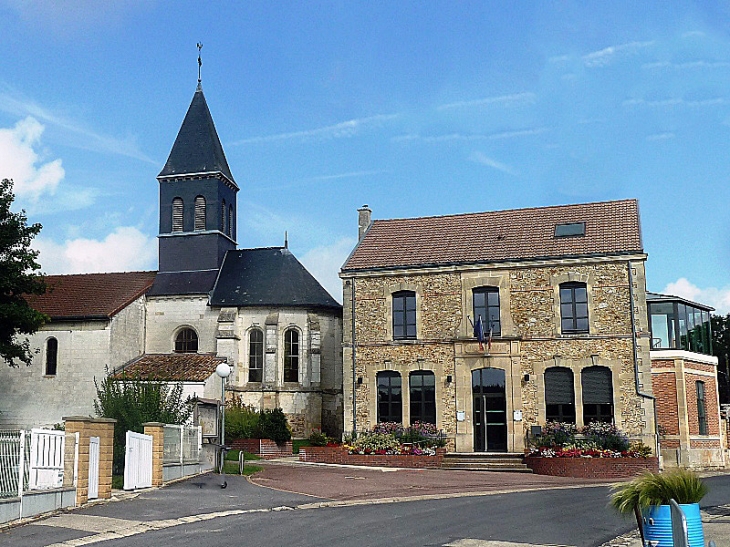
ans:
x=653 y=489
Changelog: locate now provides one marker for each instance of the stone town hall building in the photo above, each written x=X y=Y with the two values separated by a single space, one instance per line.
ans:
x=562 y=291
x=571 y=333
x=258 y=309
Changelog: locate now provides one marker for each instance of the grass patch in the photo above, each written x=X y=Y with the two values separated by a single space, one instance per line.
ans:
x=296 y=444
x=232 y=455
x=232 y=468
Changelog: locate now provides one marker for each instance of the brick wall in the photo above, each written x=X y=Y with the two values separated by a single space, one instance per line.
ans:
x=665 y=388
x=592 y=468
x=266 y=448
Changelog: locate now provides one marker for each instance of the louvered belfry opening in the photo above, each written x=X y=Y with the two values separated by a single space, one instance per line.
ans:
x=223 y=216
x=199 y=213
x=177 y=215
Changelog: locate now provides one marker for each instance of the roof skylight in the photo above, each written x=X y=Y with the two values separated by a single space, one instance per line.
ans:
x=573 y=229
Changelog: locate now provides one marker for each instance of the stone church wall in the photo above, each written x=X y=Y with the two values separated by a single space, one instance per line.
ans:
x=86 y=351
x=167 y=315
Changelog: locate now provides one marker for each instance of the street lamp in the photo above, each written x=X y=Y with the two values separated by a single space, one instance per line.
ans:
x=223 y=370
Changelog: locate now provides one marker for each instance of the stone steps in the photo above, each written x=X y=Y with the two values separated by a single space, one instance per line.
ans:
x=485 y=461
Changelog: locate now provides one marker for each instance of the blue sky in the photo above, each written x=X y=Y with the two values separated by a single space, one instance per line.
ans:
x=414 y=108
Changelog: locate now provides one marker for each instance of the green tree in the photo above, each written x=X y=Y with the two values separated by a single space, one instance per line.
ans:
x=18 y=278
x=132 y=402
x=721 y=349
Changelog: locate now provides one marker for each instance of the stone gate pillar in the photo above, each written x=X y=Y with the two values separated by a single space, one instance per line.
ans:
x=88 y=427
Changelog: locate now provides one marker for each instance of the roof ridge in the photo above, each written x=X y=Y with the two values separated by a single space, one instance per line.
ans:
x=513 y=210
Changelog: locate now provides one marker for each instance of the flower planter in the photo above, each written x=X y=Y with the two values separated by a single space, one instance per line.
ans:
x=340 y=455
x=266 y=448
x=591 y=468
x=658 y=525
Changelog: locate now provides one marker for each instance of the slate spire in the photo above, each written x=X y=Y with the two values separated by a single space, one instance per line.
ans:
x=197 y=148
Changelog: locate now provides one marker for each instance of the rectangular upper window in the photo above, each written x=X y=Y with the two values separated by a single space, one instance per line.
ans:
x=574 y=229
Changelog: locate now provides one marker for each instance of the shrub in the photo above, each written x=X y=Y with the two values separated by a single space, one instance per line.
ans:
x=317 y=438
x=606 y=436
x=371 y=443
x=555 y=434
x=273 y=425
x=241 y=420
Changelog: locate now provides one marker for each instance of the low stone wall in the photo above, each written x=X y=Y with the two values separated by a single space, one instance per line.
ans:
x=266 y=448
x=592 y=468
x=339 y=455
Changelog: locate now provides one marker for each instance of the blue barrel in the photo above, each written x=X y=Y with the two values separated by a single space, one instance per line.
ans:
x=658 y=525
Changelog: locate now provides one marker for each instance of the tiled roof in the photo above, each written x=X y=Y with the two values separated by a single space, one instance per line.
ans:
x=174 y=367
x=183 y=283
x=86 y=296
x=270 y=276
x=611 y=227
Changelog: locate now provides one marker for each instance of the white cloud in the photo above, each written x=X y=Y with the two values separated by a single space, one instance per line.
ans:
x=505 y=100
x=607 y=55
x=20 y=161
x=711 y=296
x=75 y=134
x=324 y=264
x=345 y=129
x=478 y=157
x=125 y=249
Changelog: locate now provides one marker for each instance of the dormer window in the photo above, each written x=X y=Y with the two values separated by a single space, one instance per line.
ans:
x=573 y=229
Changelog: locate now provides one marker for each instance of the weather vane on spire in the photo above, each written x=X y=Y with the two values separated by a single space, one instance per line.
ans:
x=200 y=61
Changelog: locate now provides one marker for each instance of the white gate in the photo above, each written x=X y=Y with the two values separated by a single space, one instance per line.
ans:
x=93 y=467
x=138 y=461
x=46 y=459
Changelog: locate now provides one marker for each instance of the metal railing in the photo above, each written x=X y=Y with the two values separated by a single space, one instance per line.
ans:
x=14 y=462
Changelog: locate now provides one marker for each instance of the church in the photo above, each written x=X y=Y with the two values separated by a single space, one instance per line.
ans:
x=257 y=309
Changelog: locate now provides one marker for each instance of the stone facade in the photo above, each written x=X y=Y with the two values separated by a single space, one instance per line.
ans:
x=103 y=428
x=314 y=402
x=530 y=341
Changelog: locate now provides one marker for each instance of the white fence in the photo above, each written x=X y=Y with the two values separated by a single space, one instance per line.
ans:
x=35 y=460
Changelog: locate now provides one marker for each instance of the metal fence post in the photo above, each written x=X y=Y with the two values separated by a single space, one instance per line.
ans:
x=21 y=472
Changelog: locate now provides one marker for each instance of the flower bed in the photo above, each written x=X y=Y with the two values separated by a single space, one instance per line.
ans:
x=341 y=455
x=600 y=450
x=591 y=468
x=266 y=448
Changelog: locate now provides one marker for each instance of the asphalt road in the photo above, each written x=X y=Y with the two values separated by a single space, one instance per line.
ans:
x=199 y=514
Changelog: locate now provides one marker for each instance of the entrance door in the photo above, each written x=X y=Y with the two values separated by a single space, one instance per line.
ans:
x=490 y=410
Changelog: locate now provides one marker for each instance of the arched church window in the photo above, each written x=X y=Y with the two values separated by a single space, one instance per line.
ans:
x=177 y=215
x=230 y=221
x=51 y=356
x=291 y=356
x=199 y=213
x=186 y=341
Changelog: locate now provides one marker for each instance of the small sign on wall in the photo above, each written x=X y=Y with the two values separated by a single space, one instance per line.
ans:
x=517 y=415
x=460 y=415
